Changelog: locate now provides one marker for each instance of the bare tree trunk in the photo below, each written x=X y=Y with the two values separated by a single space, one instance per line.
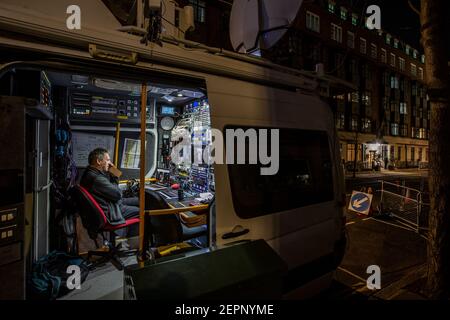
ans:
x=437 y=79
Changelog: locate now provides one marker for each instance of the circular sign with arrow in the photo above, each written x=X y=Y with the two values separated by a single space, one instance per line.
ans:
x=360 y=202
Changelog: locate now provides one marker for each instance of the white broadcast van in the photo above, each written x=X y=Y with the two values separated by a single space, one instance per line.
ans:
x=90 y=80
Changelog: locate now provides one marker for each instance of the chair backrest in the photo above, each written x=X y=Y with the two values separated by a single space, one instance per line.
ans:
x=166 y=229
x=92 y=215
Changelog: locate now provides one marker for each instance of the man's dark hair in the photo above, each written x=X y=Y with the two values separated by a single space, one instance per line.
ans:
x=98 y=153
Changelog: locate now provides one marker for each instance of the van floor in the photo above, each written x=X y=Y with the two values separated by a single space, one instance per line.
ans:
x=105 y=282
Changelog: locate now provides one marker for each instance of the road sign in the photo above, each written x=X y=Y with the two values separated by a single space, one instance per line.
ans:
x=360 y=202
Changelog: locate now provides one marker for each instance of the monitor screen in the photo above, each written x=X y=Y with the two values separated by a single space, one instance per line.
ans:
x=167 y=110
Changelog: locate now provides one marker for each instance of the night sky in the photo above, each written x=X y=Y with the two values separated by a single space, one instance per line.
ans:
x=400 y=20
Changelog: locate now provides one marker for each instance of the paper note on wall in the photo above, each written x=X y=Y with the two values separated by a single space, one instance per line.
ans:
x=131 y=154
x=84 y=143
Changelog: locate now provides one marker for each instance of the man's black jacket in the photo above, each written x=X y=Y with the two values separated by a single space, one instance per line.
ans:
x=105 y=190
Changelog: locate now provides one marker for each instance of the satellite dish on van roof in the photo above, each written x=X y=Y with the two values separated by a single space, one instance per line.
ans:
x=260 y=23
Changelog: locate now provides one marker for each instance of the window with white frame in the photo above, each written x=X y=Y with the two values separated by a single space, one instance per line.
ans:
x=373 y=50
x=312 y=21
x=408 y=50
x=396 y=43
x=350 y=39
x=394 y=129
x=336 y=33
x=413 y=69
x=403 y=109
x=383 y=56
x=362 y=45
x=392 y=60
x=415 y=54
x=401 y=64
x=388 y=38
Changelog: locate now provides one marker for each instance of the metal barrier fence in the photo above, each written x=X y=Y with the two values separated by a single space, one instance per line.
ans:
x=402 y=202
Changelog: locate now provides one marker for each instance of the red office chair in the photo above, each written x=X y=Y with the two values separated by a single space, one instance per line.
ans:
x=94 y=220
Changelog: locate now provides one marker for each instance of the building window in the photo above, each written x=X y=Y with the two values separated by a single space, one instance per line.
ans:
x=343 y=13
x=392 y=60
x=366 y=98
x=331 y=6
x=422 y=58
x=399 y=153
x=415 y=54
x=383 y=56
x=336 y=33
x=394 y=129
x=366 y=125
x=350 y=152
x=401 y=64
x=373 y=51
x=199 y=10
x=354 y=124
x=354 y=19
x=362 y=45
x=394 y=82
x=420 y=73
x=312 y=21
x=403 y=109
x=413 y=69
x=403 y=130
x=422 y=133
x=340 y=120
x=396 y=43
x=408 y=50
x=388 y=38
x=350 y=39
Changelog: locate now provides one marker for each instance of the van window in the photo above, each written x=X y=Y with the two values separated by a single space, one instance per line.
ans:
x=304 y=176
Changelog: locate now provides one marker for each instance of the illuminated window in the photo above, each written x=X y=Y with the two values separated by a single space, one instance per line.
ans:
x=388 y=38
x=354 y=19
x=331 y=6
x=396 y=43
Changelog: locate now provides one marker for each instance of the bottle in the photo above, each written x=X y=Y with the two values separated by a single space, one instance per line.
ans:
x=180 y=194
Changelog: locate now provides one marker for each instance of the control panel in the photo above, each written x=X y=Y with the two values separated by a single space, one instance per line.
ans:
x=108 y=108
x=8 y=225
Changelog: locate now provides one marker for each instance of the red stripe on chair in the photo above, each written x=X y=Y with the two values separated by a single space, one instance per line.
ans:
x=127 y=223
x=97 y=206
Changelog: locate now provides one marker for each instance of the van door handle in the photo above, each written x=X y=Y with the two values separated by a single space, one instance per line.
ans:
x=237 y=232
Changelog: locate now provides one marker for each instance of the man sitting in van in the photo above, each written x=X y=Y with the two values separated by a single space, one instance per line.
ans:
x=104 y=187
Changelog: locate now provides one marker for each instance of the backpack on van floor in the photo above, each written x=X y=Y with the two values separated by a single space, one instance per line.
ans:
x=49 y=276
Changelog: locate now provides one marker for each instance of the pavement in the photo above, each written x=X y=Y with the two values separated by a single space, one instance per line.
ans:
x=398 y=250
